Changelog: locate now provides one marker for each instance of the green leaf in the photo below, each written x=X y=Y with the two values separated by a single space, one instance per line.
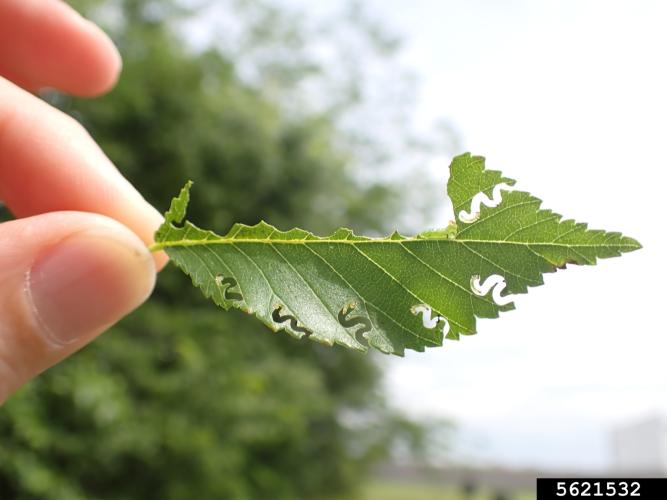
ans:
x=391 y=293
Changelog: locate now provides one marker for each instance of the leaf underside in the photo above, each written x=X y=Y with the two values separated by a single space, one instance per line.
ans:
x=392 y=293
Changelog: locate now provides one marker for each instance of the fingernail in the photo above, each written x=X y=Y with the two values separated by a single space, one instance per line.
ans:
x=88 y=281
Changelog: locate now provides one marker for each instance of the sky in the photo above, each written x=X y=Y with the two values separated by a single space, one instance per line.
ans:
x=568 y=97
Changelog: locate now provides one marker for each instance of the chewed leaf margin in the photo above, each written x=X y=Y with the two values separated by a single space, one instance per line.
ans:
x=424 y=288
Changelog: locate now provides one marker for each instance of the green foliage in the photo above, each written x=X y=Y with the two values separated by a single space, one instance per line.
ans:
x=183 y=407
x=354 y=291
x=177 y=402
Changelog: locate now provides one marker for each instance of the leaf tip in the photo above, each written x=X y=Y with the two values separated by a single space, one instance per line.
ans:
x=174 y=215
x=632 y=244
x=179 y=205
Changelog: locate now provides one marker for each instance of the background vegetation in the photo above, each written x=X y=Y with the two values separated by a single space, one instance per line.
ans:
x=180 y=400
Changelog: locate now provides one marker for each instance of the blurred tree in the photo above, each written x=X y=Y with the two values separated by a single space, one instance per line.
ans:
x=181 y=401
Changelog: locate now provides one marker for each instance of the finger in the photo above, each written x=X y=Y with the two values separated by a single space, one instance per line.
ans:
x=65 y=277
x=46 y=43
x=48 y=162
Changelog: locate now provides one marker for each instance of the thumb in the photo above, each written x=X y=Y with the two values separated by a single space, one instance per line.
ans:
x=65 y=277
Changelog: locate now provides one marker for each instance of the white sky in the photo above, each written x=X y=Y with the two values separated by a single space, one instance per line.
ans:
x=568 y=97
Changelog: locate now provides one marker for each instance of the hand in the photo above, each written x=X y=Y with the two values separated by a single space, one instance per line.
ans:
x=76 y=260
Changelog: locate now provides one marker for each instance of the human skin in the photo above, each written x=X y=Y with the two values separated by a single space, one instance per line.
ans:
x=75 y=260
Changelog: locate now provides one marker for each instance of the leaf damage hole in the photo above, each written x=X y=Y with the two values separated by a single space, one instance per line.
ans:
x=495 y=282
x=347 y=322
x=482 y=199
x=229 y=283
x=428 y=320
x=294 y=325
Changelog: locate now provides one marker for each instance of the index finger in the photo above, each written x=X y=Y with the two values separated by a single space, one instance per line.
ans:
x=49 y=163
x=46 y=43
